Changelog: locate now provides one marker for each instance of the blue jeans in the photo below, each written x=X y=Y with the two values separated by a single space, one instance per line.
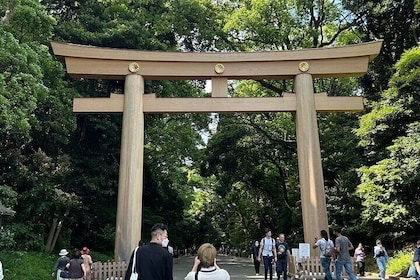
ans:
x=281 y=267
x=381 y=261
x=325 y=262
x=339 y=268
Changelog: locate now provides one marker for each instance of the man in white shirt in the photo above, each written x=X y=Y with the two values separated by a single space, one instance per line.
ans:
x=268 y=252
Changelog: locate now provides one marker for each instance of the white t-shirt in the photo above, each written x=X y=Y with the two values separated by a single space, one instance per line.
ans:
x=209 y=273
x=268 y=244
x=322 y=244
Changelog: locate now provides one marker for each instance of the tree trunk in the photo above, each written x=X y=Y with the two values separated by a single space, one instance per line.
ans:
x=48 y=247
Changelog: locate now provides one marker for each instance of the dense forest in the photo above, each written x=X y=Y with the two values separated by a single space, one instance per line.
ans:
x=211 y=177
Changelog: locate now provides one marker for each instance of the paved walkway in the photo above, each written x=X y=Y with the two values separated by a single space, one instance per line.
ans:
x=238 y=268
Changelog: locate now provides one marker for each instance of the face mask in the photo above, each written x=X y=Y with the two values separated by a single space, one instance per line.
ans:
x=165 y=242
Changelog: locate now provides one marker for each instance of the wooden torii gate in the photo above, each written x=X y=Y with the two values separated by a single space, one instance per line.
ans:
x=136 y=66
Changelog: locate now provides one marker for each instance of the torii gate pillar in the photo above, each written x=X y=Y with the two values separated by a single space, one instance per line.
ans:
x=130 y=184
x=314 y=210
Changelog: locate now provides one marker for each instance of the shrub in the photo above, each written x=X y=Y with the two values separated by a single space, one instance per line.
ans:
x=6 y=239
x=23 y=265
x=400 y=262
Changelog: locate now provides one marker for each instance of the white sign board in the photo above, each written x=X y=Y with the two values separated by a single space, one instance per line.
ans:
x=304 y=250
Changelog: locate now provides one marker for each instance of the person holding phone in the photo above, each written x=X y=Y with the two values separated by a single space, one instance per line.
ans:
x=205 y=267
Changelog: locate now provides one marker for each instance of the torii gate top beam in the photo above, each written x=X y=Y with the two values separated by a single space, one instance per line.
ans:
x=109 y=63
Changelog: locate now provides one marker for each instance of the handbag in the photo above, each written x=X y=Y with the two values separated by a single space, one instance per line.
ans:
x=65 y=274
x=412 y=271
x=134 y=275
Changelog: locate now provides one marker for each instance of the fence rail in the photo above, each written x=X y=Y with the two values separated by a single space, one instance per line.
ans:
x=311 y=268
x=109 y=270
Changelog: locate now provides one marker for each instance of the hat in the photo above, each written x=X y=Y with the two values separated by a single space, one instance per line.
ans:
x=85 y=250
x=63 y=252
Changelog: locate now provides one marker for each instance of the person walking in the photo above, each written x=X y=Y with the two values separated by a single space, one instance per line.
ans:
x=152 y=262
x=87 y=262
x=381 y=257
x=205 y=267
x=283 y=256
x=254 y=251
x=268 y=252
x=342 y=249
x=360 y=255
x=60 y=264
x=1 y=271
x=416 y=260
x=75 y=266
x=326 y=247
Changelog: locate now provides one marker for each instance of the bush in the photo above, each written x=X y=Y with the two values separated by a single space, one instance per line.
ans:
x=33 y=265
x=400 y=262
x=6 y=239
x=27 y=265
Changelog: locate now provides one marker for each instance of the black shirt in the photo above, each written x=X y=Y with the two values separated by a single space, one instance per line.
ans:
x=152 y=263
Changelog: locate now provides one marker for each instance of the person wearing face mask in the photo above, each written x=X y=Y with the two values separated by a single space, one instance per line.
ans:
x=152 y=261
x=255 y=249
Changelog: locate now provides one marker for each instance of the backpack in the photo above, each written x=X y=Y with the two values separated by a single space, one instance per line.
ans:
x=263 y=242
x=329 y=248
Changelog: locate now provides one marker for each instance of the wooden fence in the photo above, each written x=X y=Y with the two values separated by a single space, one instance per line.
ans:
x=109 y=270
x=311 y=268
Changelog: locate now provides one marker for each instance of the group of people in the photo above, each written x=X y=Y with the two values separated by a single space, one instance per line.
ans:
x=341 y=252
x=153 y=262
x=342 y=256
x=76 y=268
x=269 y=251
x=277 y=251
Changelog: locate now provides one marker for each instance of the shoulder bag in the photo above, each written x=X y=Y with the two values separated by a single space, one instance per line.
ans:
x=134 y=275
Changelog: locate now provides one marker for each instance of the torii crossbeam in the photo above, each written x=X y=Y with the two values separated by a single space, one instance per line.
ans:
x=136 y=66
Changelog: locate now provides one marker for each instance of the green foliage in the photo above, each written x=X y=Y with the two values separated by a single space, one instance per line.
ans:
x=37 y=265
x=198 y=24
x=400 y=262
x=388 y=184
x=30 y=22
x=287 y=25
x=7 y=239
x=8 y=197
x=27 y=265
x=376 y=16
x=35 y=123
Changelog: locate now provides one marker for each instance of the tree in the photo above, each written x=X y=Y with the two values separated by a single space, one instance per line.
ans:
x=35 y=121
x=390 y=134
x=397 y=23
x=268 y=141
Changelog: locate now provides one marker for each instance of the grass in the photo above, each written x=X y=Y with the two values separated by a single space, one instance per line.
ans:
x=27 y=265
x=33 y=265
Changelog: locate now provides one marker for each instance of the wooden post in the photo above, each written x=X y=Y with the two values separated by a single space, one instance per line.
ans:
x=314 y=210
x=130 y=186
